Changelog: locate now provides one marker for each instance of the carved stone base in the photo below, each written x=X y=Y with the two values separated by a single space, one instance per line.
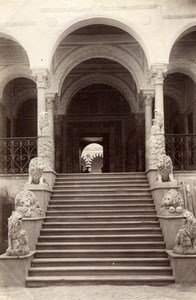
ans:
x=184 y=267
x=185 y=250
x=14 y=269
x=170 y=226
x=32 y=227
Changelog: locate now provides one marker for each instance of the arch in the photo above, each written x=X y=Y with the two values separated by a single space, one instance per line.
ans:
x=99 y=51
x=85 y=20
x=22 y=96
x=185 y=29
x=183 y=66
x=14 y=39
x=176 y=95
x=11 y=72
x=89 y=79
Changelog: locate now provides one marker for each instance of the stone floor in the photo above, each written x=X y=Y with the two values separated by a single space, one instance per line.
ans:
x=171 y=292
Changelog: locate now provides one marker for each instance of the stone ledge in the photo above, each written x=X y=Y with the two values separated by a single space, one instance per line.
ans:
x=184 y=267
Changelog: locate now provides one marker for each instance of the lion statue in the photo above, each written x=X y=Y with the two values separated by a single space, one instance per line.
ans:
x=17 y=238
x=185 y=239
x=36 y=170
x=27 y=204
x=172 y=202
x=165 y=168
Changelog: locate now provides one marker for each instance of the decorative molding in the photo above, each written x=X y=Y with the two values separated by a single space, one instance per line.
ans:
x=11 y=72
x=97 y=51
x=41 y=78
x=158 y=73
x=96 y=78
x=21 y=97
x=177 y=17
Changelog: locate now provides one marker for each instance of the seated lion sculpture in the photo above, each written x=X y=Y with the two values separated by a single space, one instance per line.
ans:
x=27 y=204
x=165 y=168
x=185 y=239
x=36 y=170
x=172 y=203
x=17 y=238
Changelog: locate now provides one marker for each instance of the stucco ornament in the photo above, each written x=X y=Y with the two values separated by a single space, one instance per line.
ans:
x=185 y=239
x=43 y=123
x=17 y=238
x=36 y=170
x=45 y=143
x=165 y=168
x=27 y=204
x=172 y=203
x=156 y=143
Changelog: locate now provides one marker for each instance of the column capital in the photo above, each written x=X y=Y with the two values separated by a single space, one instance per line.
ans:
x=148 y=95
x=41 y=77
x=158 y=73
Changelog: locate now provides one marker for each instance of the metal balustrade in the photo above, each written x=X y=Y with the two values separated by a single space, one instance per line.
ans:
x=16 y=153
x=182 y=150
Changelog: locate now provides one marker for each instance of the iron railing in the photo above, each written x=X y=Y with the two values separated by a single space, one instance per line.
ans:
x=182 y=150
x=16 y=153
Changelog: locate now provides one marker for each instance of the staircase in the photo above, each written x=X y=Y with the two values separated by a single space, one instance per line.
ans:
x=100 y=229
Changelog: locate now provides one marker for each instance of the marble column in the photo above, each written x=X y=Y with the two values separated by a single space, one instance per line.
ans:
x=158 y=75
x=148 y=101
x=41 y=79
x=50 y=100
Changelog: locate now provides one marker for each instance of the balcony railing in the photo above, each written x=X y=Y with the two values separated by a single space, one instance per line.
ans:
x=16 y=153
x=182 y=150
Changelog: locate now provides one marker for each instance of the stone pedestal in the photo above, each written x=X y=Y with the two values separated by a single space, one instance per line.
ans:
x=159 y=190
x=14 y=269
x=32 y=226
x=42 y=193
x=184 y=267
x=170 y=226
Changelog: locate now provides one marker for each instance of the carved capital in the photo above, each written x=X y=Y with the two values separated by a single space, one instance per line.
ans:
x=41 y=78
x=158 y=73
x=148 y=100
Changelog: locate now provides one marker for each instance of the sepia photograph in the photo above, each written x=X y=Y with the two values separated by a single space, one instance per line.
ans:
x=98 y=149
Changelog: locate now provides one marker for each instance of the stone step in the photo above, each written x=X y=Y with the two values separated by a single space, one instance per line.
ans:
x=106 y=201
x=99 y=245
x=101 y=183
x=101 y=193
x=123 y=261
x=40 y=281
x=49 y=230
x=146 y=207
x=107 y=218
x=100 y=212
x=101 y=253
x=100 y=271
x=105 y=226
x=96 y=238
x=105 y=176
